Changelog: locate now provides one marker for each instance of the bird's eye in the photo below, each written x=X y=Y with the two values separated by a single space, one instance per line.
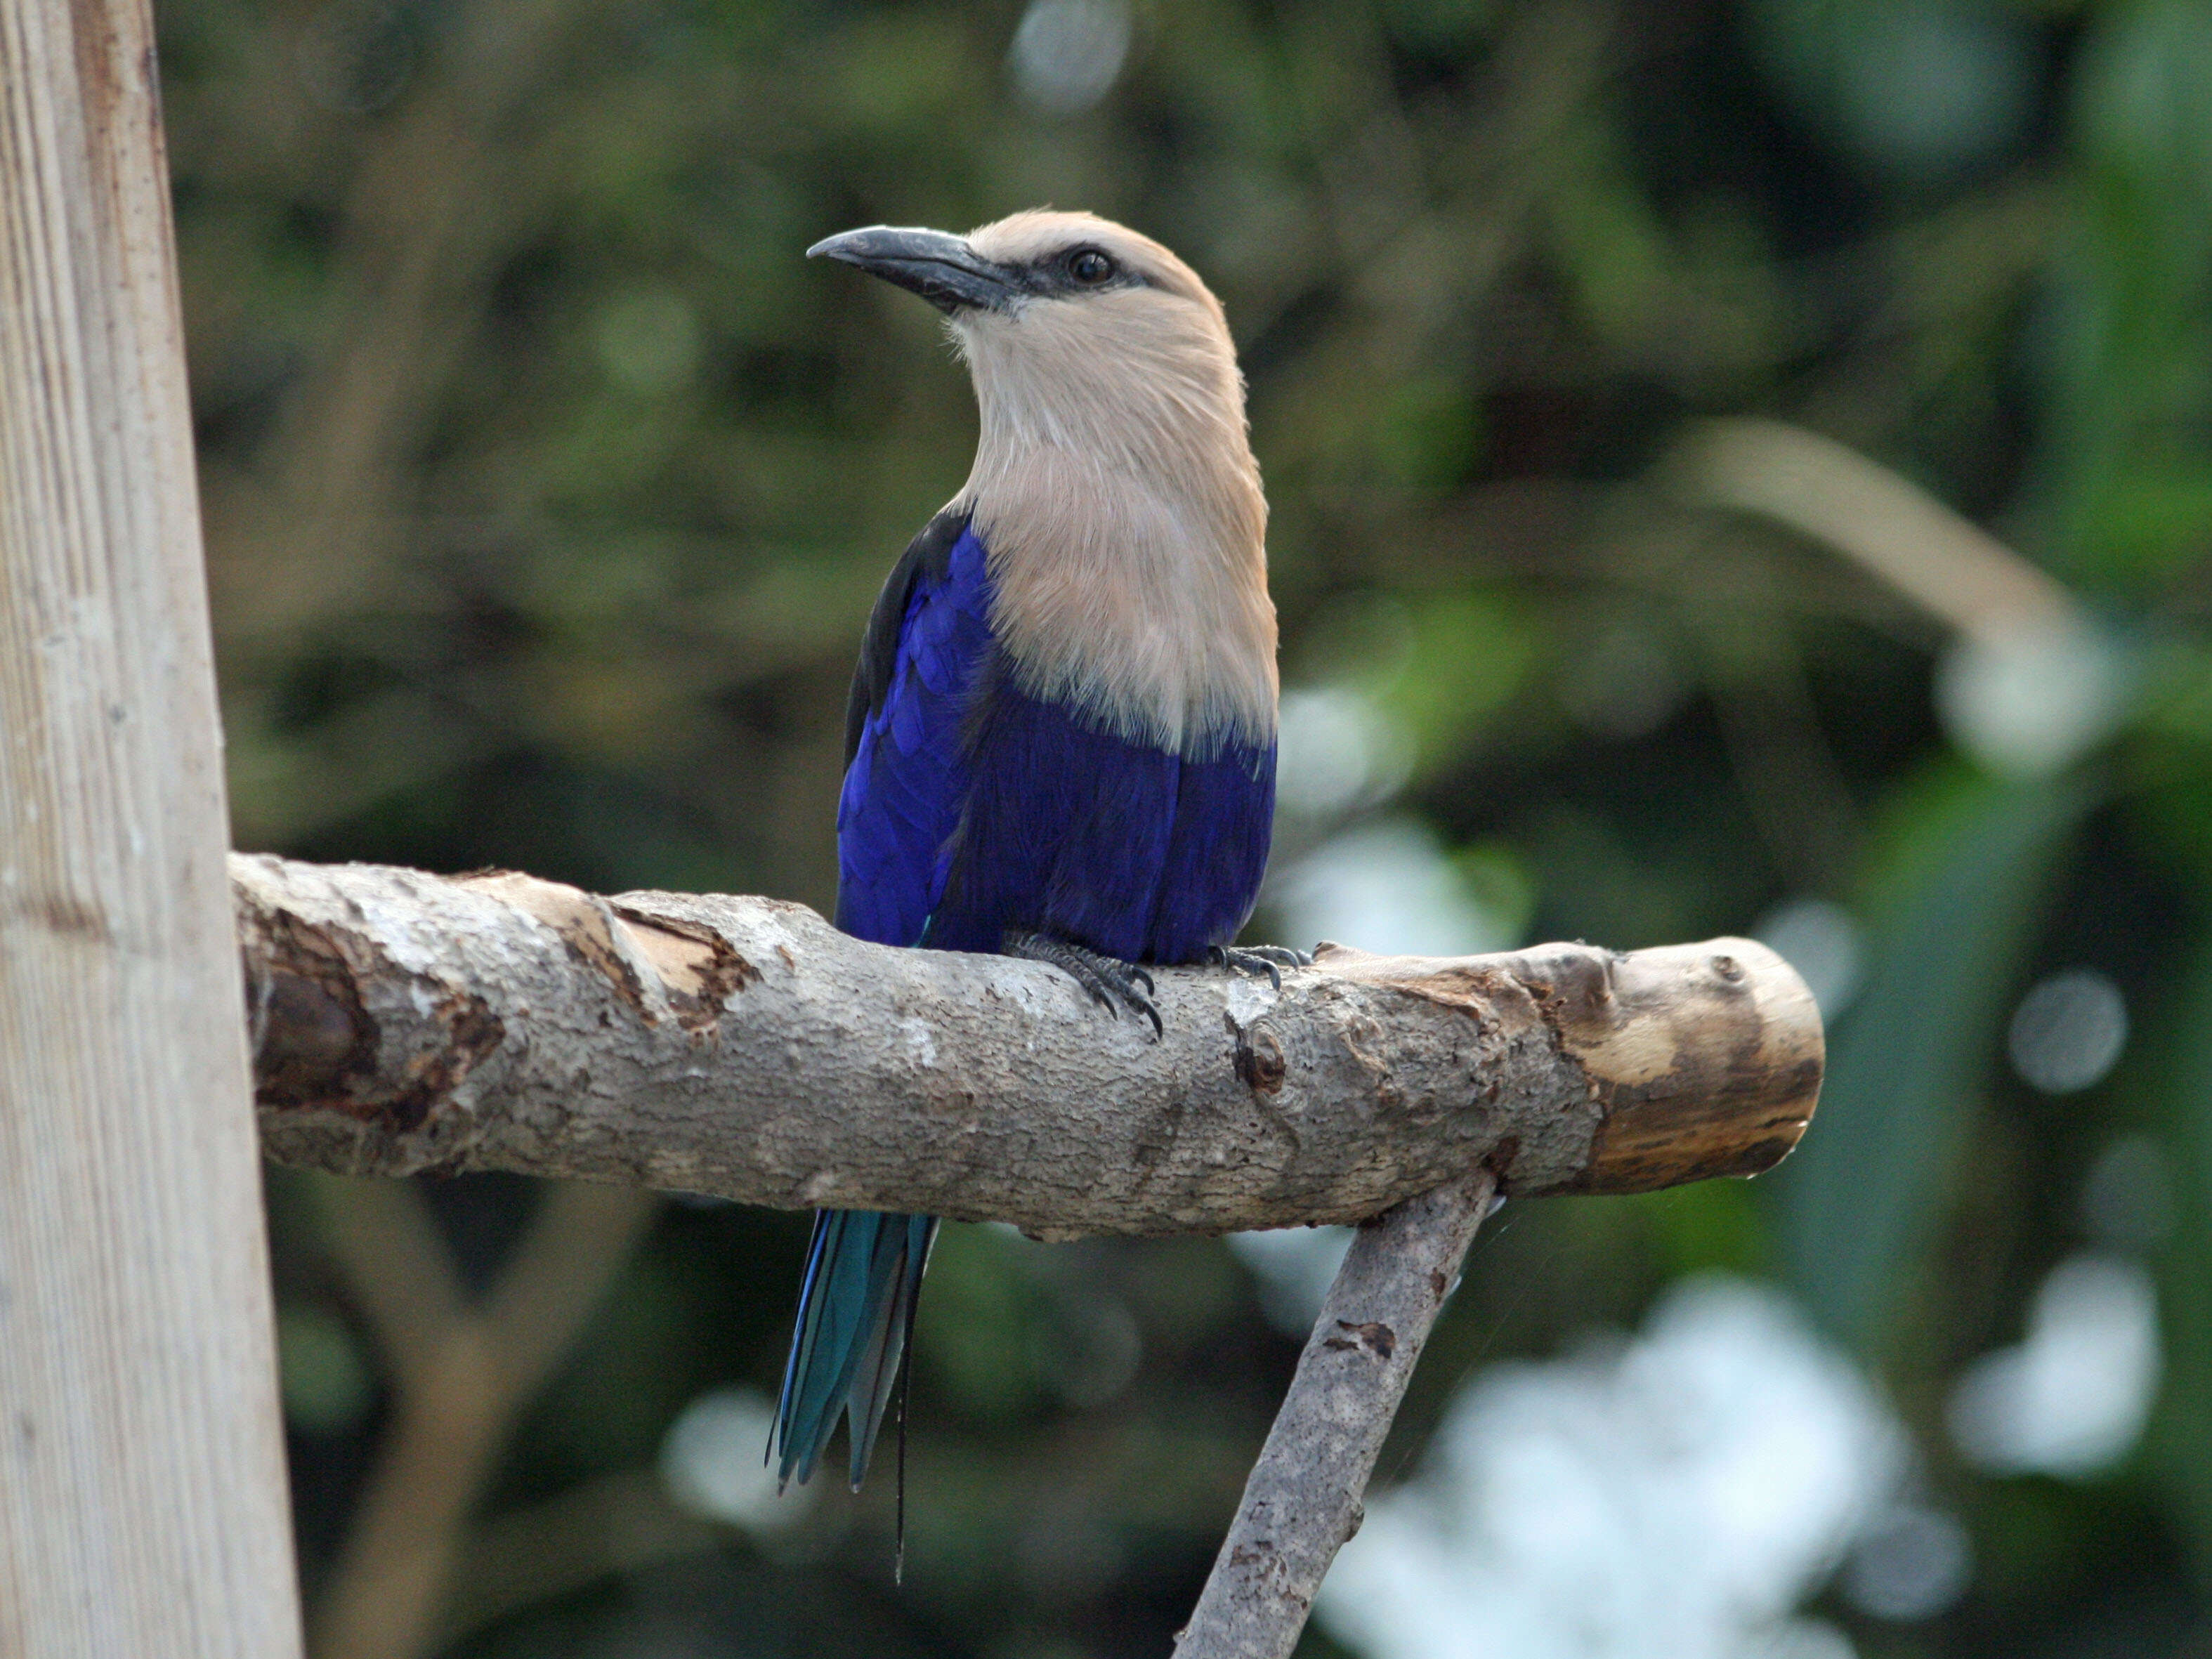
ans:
x=1090 y=267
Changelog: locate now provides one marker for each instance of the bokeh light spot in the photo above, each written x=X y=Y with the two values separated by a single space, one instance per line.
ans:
x=1336 y=750
x=2071 y=1399
x=1821 y=940
x=1068 y=54
x=1390 y=887
x=1700 y=1482
x=712 y=1464
x=2030 y=704
x=1911 y=1563
x=1292 y=1268
x=2067 y=1033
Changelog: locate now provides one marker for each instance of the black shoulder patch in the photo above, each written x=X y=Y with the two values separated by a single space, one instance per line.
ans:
x=927 y=557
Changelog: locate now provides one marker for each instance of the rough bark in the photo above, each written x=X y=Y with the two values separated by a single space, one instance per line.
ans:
x=143 y=1502
x=743 y=1047
x=1302 y=1499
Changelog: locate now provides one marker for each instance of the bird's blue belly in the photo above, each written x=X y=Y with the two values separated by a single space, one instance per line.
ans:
x=1073 y=832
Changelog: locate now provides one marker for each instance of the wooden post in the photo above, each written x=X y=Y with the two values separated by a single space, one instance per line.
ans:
x=143 y=1502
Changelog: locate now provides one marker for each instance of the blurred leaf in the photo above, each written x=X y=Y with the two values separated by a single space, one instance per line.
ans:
x=1498 y=880
x=1959 y=888
x=1430 y=434
x=2152 y=519
x=326 y=1384
x=1919 y=88
x=1438 y=25
x=1712 y=1226
x=2125 y=456
x=976 y=1326
x=1461 y=657
x=2142 y=94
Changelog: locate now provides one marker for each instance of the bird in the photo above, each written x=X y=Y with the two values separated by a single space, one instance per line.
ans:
x=1060 y=739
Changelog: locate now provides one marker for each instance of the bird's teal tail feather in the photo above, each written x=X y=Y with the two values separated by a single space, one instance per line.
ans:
x=856 y=1307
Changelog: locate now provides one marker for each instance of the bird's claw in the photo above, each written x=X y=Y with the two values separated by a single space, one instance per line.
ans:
x=1269 y=959
x=1113 y=984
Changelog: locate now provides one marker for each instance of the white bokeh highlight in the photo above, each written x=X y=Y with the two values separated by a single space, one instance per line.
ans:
x=1819 y=938
x=2028 y=703
x=2067 y=1033
x=1067 y=54
x=1292 y=1268
x=1336 y=751
x=1675 y=1496
x=712 y=1463
x=1387 y=886
x=1910 y=1564
x=2071 y=1399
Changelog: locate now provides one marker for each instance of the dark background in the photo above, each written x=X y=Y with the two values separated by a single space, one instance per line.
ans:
x=547 y=487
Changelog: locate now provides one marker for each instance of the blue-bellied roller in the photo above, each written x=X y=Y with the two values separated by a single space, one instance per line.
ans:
x=1060 y=743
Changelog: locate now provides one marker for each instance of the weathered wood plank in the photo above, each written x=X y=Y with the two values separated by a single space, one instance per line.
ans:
x=142 y=1501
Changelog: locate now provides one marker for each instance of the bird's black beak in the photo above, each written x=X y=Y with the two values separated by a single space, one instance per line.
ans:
x=944 y=270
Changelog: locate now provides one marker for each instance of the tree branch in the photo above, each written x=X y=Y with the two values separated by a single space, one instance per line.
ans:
x=744 y=1047
x=1302 y=1499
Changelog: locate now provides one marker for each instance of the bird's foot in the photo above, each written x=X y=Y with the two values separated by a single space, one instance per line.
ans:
x=1113 y=984
x=1269 y=959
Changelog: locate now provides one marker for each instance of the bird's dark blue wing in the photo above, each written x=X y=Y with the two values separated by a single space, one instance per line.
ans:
x=906 y=775
x=905 y=785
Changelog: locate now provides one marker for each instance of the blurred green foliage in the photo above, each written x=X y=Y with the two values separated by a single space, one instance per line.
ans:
x=547 y=488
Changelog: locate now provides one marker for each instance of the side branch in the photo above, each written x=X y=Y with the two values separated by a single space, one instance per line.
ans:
x=1302 y=1501
x=743 y=1047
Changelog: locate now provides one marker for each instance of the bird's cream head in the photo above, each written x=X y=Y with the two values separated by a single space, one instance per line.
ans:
x=1114 y=482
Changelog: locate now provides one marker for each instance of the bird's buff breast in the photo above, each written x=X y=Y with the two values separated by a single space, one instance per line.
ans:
x=1124 y=615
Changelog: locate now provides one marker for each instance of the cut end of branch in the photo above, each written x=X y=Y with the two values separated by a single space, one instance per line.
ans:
x=1704 y=1059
